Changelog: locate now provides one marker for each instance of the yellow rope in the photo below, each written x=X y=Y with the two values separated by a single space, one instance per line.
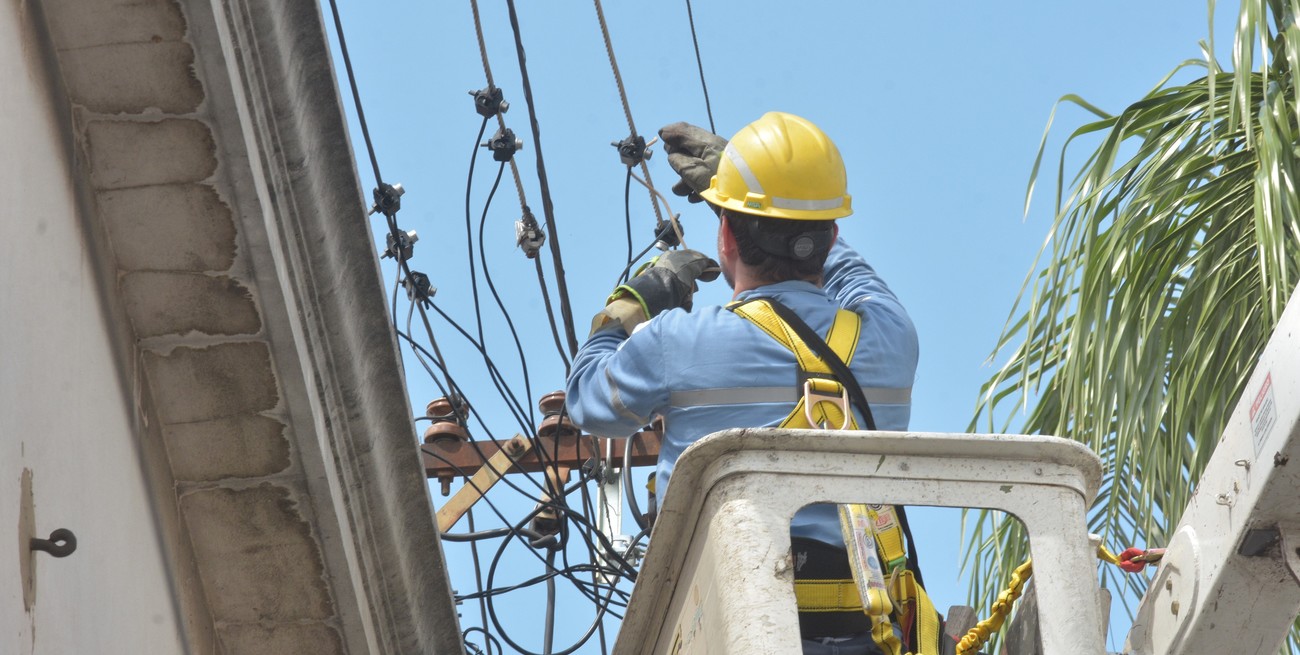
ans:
x=979 y=635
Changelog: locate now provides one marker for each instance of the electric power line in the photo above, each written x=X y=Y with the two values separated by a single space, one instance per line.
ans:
x=699 y=63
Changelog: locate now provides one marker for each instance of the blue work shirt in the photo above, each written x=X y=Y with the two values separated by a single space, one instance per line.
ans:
x=708 y=370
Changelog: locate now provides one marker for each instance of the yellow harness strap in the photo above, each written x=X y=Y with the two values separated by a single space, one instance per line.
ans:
x=827 y=397
x=827 y=596
x=910 y=597
x=889 y=536
x=825 y=402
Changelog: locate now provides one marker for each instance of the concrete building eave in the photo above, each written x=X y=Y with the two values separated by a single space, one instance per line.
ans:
x=210 y=147
x=328 y=271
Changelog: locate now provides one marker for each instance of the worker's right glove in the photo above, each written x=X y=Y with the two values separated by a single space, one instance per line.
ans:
x=666 y=282
x=694 y=153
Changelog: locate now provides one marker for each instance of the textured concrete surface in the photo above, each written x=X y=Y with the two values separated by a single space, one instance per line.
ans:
x=172 y=88
x=175 y=227
x=128 y=153
x=179 y=303
x=115 y=21
x=200 y=384
x=284 y=640
x=206 y=137
x=257 y=555
x=245 y=446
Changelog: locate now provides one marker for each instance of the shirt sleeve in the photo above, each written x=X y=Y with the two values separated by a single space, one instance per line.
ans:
x=850 y=280
x=617 y=382
x=888 y=330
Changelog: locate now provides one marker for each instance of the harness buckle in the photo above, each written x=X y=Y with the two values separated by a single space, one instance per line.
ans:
x=811 y=397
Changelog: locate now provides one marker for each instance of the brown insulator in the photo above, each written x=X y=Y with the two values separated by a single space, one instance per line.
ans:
x=445 y=430
x=557 y=425
x=444 y=408
x=556 y=422
x=551 y=403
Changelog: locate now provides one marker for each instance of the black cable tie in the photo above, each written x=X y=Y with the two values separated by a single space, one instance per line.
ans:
x=504 y=144
x=400 y=245
x=488 y=102
x=388 y=199
x=418 y=287
x=529 y=235
x=632 y=150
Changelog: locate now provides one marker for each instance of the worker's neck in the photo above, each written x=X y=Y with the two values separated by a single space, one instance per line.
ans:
x=744 y=280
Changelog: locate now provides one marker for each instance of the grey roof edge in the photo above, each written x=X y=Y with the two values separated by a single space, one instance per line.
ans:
x=334 y=290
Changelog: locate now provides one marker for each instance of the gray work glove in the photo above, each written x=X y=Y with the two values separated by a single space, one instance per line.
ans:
x=694 y=153
x=666 y=282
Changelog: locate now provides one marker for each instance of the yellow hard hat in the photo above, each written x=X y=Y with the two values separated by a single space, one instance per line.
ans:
x=781 y=166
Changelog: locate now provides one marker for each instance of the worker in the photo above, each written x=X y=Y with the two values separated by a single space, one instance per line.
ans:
x=778 y=187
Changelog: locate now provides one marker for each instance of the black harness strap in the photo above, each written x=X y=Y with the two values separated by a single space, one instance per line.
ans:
x=846 y=378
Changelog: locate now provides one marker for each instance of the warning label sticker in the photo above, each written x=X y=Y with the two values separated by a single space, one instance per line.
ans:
x=1263 y=414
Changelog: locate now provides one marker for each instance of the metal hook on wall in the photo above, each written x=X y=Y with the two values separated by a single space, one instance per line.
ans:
x=60 y=544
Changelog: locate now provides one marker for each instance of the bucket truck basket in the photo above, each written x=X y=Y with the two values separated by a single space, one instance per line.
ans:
x=718 y=578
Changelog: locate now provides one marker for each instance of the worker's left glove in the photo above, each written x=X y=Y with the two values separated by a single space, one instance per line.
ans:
x=694 y=153
x=668 y=281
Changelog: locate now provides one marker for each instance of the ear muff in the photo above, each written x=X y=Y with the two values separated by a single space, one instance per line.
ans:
x=800 y=246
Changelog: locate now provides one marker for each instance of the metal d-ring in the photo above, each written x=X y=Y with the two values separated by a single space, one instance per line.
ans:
x=60 y=544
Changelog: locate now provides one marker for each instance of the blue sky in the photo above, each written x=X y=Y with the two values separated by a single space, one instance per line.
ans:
x=938 y=109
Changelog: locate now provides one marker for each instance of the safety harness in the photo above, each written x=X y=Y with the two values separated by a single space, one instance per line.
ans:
x=827 y=394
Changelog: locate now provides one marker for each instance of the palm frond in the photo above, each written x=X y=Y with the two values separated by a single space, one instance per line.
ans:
x=1173 y=251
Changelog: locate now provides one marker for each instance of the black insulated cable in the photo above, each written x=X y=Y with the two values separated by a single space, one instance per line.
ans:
x=356 y=95
x=505 y=313
x=548 y=209
x=699 y=63
x=478 y=570
x=628 y=490
x=627 y=220
x=550 y=315
x=523 y=200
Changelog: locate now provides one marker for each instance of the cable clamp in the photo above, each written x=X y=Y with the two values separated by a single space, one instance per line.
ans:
x=529 y=235
x=546 y=524
x=388 y=199
x=418 y=287
x=665 y=236
x=488 y=102
x=632 y=150
x=401 y=245
x=504 y=144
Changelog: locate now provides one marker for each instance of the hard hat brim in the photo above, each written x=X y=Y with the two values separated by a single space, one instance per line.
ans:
x=764 y=207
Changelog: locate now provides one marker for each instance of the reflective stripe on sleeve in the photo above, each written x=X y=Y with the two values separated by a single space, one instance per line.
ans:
x=748 y=395
x=617 y=401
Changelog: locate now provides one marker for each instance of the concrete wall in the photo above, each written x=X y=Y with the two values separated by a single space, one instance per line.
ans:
x=67 y=394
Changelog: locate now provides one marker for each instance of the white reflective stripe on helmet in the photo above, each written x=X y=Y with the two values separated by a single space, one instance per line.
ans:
x=743 y=168
x=752 y=395
x=777 y=201
x=811 y=205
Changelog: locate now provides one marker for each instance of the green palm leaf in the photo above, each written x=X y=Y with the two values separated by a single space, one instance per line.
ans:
x=1173 y=251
